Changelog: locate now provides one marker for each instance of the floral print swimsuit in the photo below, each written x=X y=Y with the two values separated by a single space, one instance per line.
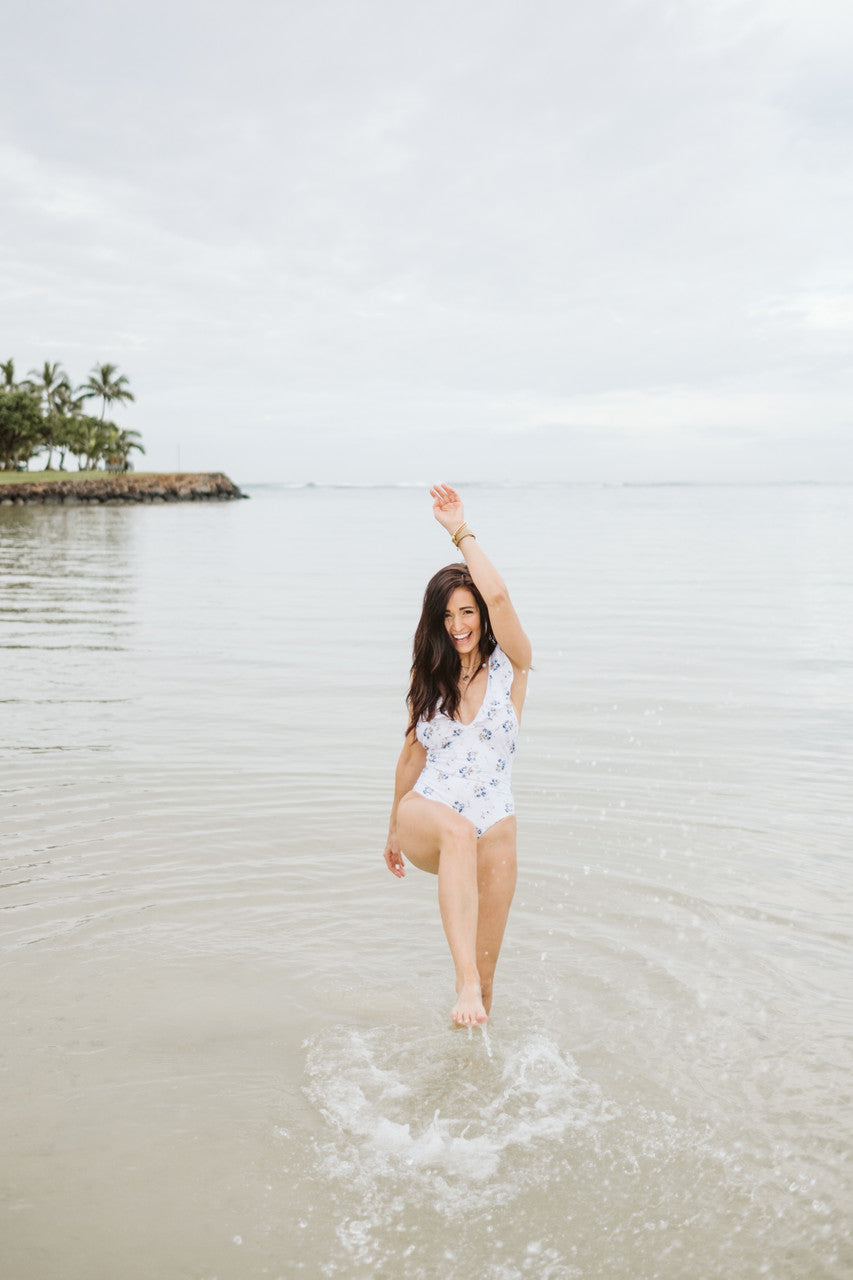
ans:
x=469 y=766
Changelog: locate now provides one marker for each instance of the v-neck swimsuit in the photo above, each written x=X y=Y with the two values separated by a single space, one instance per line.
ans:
x=469 y=766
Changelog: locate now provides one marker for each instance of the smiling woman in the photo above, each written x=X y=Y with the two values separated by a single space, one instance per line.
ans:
x=462 y=620
x=453 y=813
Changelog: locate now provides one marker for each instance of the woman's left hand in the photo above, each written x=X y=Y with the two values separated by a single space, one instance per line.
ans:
x=447 y=507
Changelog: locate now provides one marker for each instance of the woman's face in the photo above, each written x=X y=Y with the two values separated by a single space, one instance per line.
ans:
x=462 y=620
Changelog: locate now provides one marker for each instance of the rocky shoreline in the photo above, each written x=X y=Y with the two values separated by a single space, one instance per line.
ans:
x=117 y=490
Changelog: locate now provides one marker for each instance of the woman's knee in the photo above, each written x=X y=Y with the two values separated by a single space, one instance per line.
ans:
x=458 y=835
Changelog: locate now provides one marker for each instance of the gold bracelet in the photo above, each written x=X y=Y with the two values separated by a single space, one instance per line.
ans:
x=462 y=532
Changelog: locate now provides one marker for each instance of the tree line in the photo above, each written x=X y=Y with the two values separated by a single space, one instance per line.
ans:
x=45 y=414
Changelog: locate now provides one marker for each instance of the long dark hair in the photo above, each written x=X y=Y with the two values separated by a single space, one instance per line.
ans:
x=436 y=665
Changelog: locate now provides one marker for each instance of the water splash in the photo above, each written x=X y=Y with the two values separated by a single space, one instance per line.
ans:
x=448 y=1109
x=458 y=1155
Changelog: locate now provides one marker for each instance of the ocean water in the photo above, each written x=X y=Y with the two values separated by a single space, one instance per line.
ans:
x=226 y=1048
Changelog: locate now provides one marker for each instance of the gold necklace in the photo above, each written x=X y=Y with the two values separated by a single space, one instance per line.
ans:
x=471 y=674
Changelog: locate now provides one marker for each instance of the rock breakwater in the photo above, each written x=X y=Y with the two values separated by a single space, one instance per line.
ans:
x=104 y=489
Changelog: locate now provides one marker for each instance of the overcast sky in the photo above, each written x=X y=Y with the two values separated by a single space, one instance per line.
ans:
x=398 y=240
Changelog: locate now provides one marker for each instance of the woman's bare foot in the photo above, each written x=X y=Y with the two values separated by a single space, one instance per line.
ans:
x=469 y=1009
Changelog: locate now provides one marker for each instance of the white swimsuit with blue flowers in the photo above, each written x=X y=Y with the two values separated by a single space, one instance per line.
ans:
x=469 y=766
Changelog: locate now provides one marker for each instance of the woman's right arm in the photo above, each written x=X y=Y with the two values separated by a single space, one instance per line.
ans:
x=409 y=766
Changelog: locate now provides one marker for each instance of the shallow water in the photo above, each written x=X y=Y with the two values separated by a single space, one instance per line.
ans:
x=226 y=1048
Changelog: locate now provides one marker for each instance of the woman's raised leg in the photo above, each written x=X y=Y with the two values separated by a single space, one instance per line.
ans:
x=437 y=839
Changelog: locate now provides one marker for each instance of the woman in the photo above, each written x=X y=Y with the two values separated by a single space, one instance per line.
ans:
x=453 y=811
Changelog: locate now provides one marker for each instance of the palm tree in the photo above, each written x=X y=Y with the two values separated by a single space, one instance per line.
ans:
x=103 y=382
x=7 y=368
x=50 y=382
x=116 y=456
x=68 y=406
x=47 y=382
x=87 y=438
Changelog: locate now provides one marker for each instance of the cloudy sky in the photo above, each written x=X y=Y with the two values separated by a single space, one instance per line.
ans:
x=379 y=239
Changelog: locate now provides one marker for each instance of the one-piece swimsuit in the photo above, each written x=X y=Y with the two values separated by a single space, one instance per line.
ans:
x=469 y=766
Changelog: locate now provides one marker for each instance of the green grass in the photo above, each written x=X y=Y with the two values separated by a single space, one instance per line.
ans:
x=39 y=477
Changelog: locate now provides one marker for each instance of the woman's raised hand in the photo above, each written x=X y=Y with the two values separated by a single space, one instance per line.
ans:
x=447 y=507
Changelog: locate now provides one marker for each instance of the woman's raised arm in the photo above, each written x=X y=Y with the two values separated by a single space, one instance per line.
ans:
x=450 y=513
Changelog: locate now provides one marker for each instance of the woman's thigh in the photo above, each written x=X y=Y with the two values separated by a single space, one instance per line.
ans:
x=496 y=875
x=496 y=856
x=424 y=826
